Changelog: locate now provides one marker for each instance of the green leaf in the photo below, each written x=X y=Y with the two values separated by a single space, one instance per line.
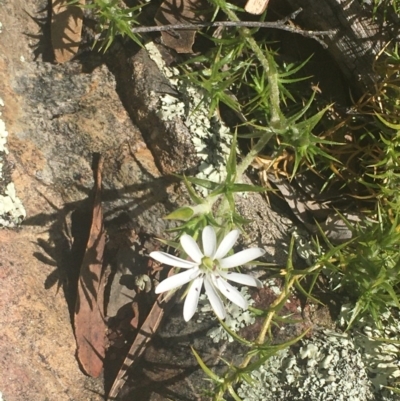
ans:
x=172 y=244
x=192 y=193
x=238 y=220
x=233 y=393
x=291 y=120
x=307 y=294
x=309 y=124
x=183 y=213
x=246 y=188
x=387 y=123
x=234 y=335
x=276 y=348
x=205 y=368
x=231 y=163
x=189 y=225
x=211 y=185
x=395 y=390
x=231 y=200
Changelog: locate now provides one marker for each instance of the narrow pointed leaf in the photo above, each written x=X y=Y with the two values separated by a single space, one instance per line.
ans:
x=235 y=335
x=231 y=163
x=183 y=213
x=247 y=188
x=387 y=123
x=298 y=115
x=211 y=185
x=205 y=368
x=192 y=193
x=233 y=393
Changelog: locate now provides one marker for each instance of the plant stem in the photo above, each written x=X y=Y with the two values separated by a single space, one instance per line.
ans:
x=248 y=159
x=267 y=322
x=269 y=67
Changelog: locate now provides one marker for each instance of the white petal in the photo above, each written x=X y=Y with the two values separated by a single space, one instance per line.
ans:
x=209 y=241
x=171 y=260
x=214 y=299
x=226 y=244
x=177 y=280
x=230 y=292
x=190 y=246
x=241 y=257
x=192 y=298
x=245 y=279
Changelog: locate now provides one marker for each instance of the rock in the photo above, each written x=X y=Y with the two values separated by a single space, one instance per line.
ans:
x=57 y=116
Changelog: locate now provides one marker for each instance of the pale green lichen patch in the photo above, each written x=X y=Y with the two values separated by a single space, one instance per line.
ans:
x=326 y=368
x=12 y=212
x=379 y=349
x=210 y=136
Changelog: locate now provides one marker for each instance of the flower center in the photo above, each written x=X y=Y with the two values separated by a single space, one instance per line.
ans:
x=207 y=263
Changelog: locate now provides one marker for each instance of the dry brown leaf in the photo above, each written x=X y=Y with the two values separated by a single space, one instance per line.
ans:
x=90 y=327
x=173 y=12
x=66 y=29
x=148 y=328
x=256 y=6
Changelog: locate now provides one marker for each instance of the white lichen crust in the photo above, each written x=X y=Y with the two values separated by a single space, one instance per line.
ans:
x=380 y=349
x=12 y=212
x=328 y=367
x=210 y=136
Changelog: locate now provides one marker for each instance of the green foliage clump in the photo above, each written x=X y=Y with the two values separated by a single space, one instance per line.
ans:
x=112 y=20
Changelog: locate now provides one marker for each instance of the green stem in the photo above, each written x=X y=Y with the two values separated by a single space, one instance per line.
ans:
x=242 y=167
x=269 y=66
x=255 y=150
x=230 y=379
x=276 y=114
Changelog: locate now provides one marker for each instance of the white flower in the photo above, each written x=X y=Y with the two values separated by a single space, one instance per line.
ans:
x=210 y=268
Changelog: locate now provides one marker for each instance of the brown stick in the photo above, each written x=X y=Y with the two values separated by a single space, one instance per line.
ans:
x=281 y=24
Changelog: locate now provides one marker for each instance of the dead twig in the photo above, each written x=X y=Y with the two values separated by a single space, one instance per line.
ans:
x=281 y=24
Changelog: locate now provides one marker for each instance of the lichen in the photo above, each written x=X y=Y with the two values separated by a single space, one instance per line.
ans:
x=3 y=132
x=12 y=211
x=380 y=357
x=327 y=367
x=210 y=136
